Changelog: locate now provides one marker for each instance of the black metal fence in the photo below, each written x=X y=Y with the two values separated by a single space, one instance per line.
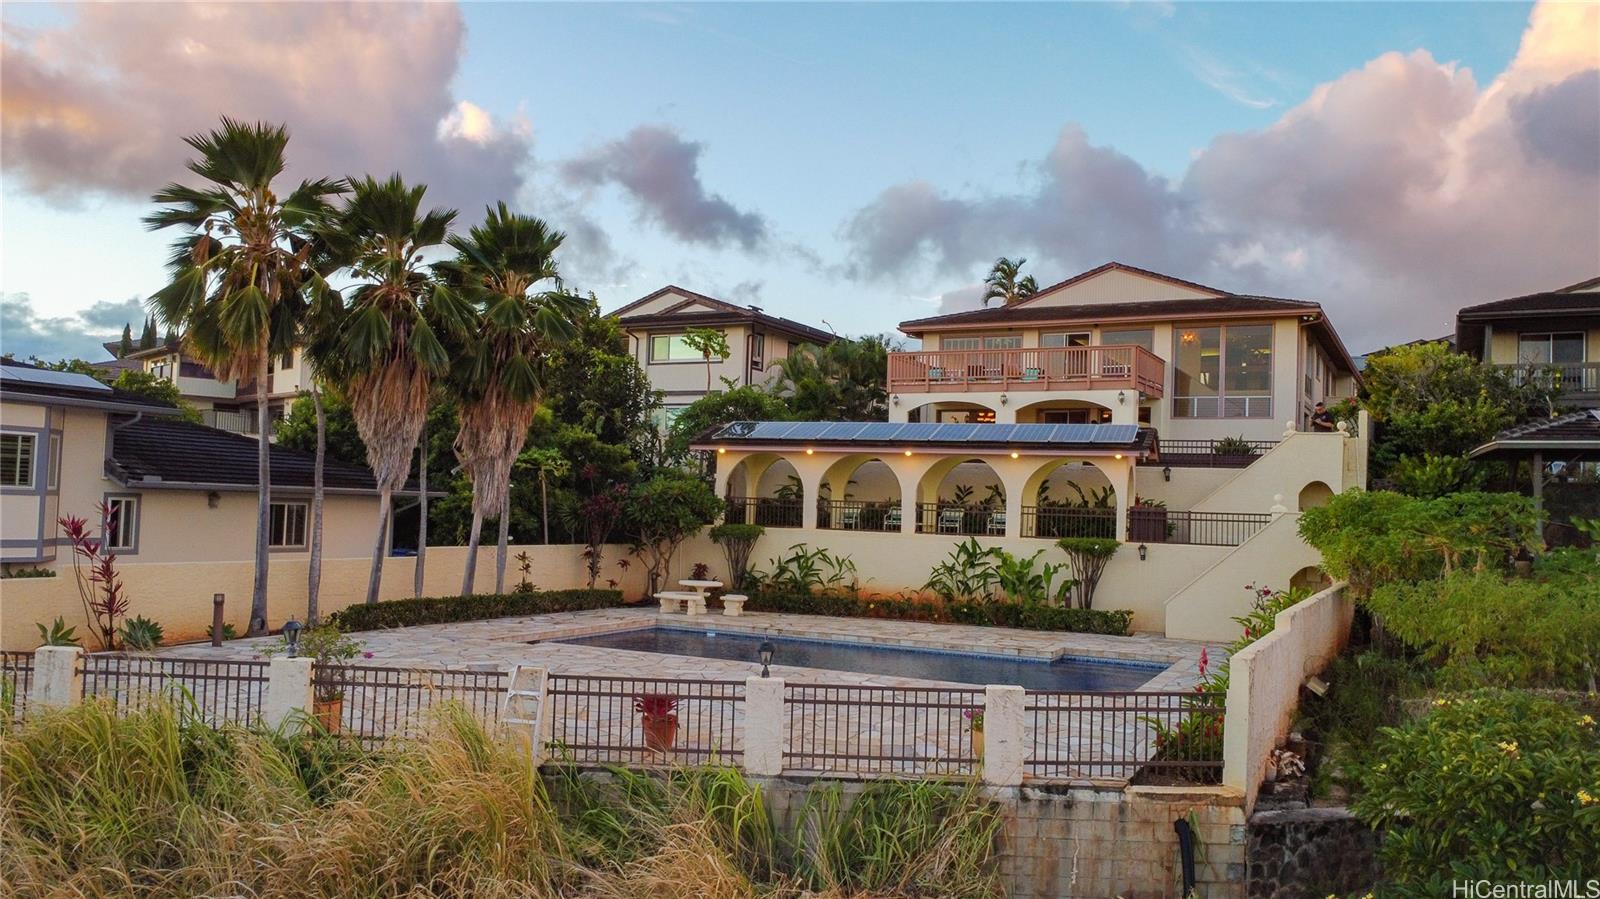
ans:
x=1148 y=524
x=646 y=721
x=964 y=520
x=219 y=692
x=880 y=730
x=16 y=682
x=767 y=511
x=1078 y=735
x=1231 y=453
x=373 y=703
x=1055 y=522
x=858 y=515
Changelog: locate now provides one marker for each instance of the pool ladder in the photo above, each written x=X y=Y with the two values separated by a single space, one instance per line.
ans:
x=523 y=712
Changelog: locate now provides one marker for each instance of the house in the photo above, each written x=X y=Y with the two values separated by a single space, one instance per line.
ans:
x=174 y=491
x=1553 y=335
x=226 y=404
x=656 y=323
x=1125 y=345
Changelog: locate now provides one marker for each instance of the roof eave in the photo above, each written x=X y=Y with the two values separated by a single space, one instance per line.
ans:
x=915 y=327
x=41 y=399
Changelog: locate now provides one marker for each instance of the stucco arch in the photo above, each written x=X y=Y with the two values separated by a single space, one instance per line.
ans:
x=1311 y=577
x=1114 y=476
x=1096 y=413
x=932 y=505
x=1313 y=495
x=873 y=503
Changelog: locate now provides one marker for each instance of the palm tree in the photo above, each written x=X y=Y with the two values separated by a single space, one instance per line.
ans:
x=1003 y=283
x=321 y=352
x=500 y=266
x=389 y=342
x=549 y=463
x=238 y=276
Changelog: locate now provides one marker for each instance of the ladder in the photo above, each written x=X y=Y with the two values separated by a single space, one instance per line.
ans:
x=523 y=712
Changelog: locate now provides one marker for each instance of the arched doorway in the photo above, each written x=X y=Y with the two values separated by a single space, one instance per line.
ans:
x=1069 y=498
x=764 y=489
x=1063 y=412
x=859 y=493
x=1314 y=495
x=961 y=496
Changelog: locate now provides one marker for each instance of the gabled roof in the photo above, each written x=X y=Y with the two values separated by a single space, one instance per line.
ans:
x=1580 y=299
x=719 y=312
x=182 y=455
x=21 y=382
x=1563 y=437
x=1020 y=313
x=1119 y=267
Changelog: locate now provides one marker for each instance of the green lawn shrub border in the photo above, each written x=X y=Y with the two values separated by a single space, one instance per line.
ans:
x=1114 y=622
x=446 y=609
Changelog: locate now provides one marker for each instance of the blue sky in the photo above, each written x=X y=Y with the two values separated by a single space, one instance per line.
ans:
x=855 y=164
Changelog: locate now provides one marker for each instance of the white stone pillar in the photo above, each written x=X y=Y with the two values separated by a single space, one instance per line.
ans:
x=288 y=690
x=1005 y=735
x=57 y=679
x=763 y=725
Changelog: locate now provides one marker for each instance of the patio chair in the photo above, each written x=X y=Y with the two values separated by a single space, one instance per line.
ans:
x=850 y=517
x=1032 y=374
x=891 y=519
x=997 y=522
x=950 y=520
x=936 y=373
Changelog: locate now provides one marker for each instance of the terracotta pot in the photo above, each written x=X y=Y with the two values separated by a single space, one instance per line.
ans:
x=329 y=713
x=660 y=731
x=977 y=744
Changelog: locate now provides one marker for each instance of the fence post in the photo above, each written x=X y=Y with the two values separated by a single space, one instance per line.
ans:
x=1005 y=735
x=217 y=618
x=57 y=676
x=763 y=725
x=288 y=689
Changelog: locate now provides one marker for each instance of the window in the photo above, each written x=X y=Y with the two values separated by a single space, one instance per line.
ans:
x=758 y=351
x=162 y=369
x=288 y=530
x=53 y=479
x=1550 y=349
x=1222 y=372
x=122 y=524
x=16 y=460
x=1076 y=338
x=1145 y=337
x=1000 y=342
x=671 y=348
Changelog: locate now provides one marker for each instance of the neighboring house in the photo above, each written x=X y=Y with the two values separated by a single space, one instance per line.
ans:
x=1125 y=345
x=175 y=491
x=1553 y=335
x=229 y=405
x=656 y=324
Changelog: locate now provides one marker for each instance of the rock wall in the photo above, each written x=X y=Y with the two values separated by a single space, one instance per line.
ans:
x=1309 y=853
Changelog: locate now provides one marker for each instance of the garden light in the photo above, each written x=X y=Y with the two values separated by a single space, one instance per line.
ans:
x=1144 y=551
x=291 y=635
x=766 y=651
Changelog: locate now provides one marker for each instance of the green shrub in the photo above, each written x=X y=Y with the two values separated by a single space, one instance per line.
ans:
x=1496 y=785
x=994 y=614
x=141 y=634
x=805 y=569
x=967 y=574
x=1486 y=630
x=27 y=573
x=59 y=633
x=1088 y=557
x=444 y=609
x=737 y=542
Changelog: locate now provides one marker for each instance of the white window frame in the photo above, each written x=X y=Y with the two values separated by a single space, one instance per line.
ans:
x=53 y=464
x=1222 y=404
x=1548 y=339
x=26 y=479
x=123 y=538
x=1046 y=339
x=277 y=537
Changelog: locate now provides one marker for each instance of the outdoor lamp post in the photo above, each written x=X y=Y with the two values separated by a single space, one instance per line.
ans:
x=766 y=652
x=291 y=635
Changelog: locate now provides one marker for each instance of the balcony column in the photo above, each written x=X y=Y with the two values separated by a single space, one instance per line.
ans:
x=1123 y=482
x=811 y=469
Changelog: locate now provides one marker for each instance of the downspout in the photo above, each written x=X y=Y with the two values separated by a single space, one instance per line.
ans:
x=1185 y=854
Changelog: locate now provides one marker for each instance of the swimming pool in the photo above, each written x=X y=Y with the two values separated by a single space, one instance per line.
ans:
x=898 y=661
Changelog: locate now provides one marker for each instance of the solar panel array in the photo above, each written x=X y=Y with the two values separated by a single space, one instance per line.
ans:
x=23 y=375
x=926 y=432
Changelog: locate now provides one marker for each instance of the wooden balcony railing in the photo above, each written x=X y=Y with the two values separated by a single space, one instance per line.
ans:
x=1050 y=368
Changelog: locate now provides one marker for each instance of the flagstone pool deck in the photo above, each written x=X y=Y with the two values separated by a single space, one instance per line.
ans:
x=503 y=643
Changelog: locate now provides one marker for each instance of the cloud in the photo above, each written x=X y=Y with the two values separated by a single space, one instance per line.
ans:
x=24 y=333
x=1395 y=194
x=660 y=172
x=97 y=106
x=1222 y=78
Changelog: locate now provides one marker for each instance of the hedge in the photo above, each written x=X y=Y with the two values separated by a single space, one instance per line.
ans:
x=995 y=614
x=445 y=609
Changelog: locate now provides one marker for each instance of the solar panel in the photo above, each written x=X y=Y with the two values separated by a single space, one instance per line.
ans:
x=807 y=430
x=52 y=378
x=845 y=430
x=1032 y=434
x=1115 y=434
x=991 y=432
x=950 y=432
x=772 y=430
x=921 y=430
x=1072 y=433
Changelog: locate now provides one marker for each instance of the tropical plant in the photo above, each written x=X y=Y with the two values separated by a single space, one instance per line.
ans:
x=664 y=511
x=1233 y=446
x=737 y=542
x=389 y=341
x=968 y=573
x=501 y=266
x=805 y=570
x=229 y=632
x=141 y=634
x=329 y=648
x=1003 y=283
x=844 y=380
x=708 y=342
x=59 y=633
x=1088 y=557
x=95 y=572
x=548 y=463
x=239 y=274
x=593 y=516
x=720 y=407
x=1023 y=579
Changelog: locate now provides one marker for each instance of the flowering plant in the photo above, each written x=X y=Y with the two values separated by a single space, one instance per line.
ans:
x=974 y=718
x=99 y=585
x=656 y=705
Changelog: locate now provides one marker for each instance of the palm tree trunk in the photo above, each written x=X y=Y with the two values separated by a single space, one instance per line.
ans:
x=258 y=592
x=375 y=578
x=472 y=553
x=500 y=547
x=422 y=511
x=544 y=506
x=314 y=570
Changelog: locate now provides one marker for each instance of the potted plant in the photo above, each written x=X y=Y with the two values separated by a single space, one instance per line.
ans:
x=328 y=647
x=658 y=716
x=975 y=725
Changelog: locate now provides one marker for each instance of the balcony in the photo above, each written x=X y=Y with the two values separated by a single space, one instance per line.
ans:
x=1049 y=368
x=1576 y=383
x=236 y=422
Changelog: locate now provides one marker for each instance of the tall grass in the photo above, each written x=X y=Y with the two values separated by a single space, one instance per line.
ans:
x=96 y=803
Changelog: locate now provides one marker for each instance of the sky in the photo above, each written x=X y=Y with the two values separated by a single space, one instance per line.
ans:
x=848 y=165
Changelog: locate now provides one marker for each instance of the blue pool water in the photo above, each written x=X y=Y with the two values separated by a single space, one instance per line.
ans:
x=898 y=661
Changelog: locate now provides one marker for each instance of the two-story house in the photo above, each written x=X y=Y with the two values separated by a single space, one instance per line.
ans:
x=656 y=325
x=229 y=405
x=1553 y=335
x=1124 y=345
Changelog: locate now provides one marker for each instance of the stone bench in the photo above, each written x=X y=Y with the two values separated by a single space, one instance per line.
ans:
x=672 y=600
x=733 y=604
